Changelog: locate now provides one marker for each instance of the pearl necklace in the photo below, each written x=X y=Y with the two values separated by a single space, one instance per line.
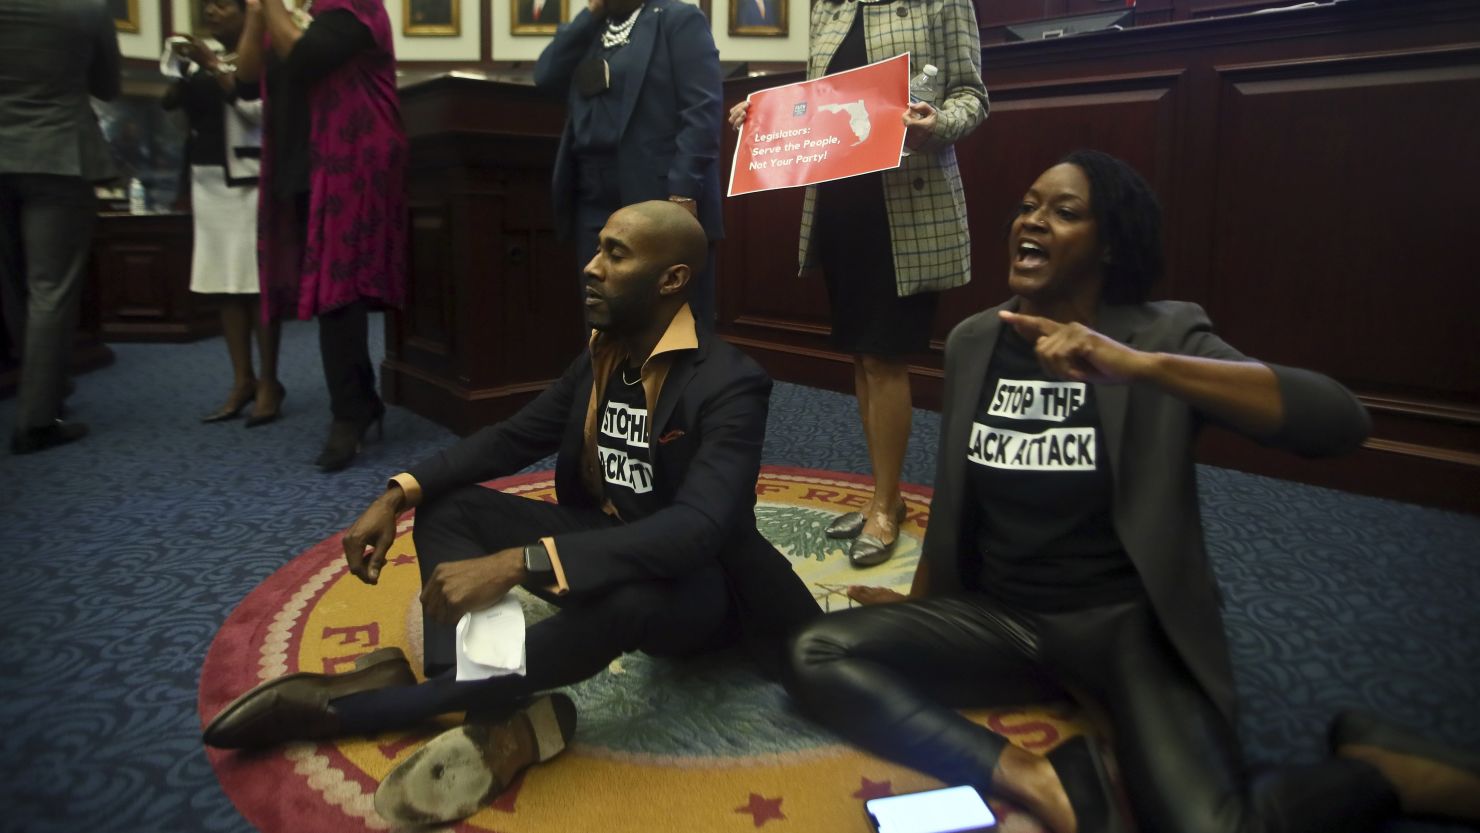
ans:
x=619 y=34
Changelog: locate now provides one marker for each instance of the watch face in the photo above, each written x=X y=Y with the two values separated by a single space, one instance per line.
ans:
x=536 y=559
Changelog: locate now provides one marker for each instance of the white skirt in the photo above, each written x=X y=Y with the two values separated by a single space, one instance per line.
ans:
x=225 y=256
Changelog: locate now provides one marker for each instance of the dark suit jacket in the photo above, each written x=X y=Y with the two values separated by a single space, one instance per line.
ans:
x=1149 y=436
x=53 y=54
x=671 y=120
x=549 y=13
x=712 y=407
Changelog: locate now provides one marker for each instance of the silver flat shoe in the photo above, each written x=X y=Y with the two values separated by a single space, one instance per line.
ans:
x=846 y=525
x=850 y=524
x=869 y=550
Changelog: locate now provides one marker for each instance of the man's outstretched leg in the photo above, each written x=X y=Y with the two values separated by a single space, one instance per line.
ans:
x=467 y=523
x=663 y=618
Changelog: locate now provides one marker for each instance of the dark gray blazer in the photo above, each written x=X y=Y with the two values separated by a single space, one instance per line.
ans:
x=53 y=54
x=1150 y=437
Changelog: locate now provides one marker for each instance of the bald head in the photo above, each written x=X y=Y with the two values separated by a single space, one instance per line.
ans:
x=666 y=234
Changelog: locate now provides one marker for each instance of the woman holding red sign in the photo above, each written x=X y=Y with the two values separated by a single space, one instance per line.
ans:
x=887 y=243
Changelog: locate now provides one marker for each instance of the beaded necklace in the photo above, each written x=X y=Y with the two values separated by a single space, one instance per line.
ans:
x=619 y=34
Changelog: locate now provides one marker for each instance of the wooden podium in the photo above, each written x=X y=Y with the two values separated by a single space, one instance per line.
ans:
x=493 y=311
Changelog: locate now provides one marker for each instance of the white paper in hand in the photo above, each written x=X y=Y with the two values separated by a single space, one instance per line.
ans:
x=490 y=642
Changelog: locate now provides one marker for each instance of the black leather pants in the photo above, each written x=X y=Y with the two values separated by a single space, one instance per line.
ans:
x=889 y=679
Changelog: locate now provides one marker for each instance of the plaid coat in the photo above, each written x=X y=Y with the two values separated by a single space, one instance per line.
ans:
x=923 y=196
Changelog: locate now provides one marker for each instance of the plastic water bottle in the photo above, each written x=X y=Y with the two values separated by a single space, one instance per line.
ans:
x=922 y=88
x=138 y=198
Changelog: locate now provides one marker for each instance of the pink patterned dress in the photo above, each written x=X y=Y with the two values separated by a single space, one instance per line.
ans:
x=353 y=245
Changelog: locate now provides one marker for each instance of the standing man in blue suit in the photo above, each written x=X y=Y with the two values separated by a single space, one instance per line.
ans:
x=642 y=80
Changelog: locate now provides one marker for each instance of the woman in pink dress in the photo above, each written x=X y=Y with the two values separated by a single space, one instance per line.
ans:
x=332 y=216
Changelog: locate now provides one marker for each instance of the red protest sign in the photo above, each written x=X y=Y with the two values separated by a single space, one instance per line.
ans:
x=832 y=127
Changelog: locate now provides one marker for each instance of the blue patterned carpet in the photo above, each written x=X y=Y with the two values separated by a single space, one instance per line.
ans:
x=125 y=552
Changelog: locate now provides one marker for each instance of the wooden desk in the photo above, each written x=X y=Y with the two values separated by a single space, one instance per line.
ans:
x=492 y=313
x=141 y=267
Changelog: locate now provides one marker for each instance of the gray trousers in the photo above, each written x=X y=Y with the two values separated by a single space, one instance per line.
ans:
x=46 y=228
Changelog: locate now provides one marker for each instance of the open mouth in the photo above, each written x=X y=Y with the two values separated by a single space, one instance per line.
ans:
x=1030 y=255
x=593 y=298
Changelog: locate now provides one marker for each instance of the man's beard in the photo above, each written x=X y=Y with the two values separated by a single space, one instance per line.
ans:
x=628 y=313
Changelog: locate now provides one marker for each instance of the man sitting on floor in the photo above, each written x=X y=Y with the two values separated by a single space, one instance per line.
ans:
x=653 y=545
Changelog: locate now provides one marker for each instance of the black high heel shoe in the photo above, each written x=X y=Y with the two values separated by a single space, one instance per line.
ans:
x=346 y=439
x=231 y=409
x=1086 y=782
x=255 y=420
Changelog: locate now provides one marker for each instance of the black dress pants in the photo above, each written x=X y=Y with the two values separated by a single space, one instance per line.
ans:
x=46 y=226
x=889 y=678
x=674 y=618
x=344 y=347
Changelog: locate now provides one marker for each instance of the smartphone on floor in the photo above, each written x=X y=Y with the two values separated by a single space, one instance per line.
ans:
x=947 y=810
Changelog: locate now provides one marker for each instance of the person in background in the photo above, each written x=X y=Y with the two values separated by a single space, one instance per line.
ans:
x=889 y=242
x=642 y=80
x=224 y=150
x=53 y=55
x=1065 y=554
x=332 y=218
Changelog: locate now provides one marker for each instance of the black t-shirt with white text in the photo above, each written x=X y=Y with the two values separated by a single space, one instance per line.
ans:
x=622 y=447
x=1040 y=481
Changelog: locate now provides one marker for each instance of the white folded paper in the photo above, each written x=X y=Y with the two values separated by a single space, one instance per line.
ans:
x=490 y=642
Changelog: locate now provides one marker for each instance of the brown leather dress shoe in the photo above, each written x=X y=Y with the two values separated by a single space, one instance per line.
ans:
x=296 y=706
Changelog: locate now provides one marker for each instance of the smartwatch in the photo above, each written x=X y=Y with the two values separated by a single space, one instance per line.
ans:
x=537 y=563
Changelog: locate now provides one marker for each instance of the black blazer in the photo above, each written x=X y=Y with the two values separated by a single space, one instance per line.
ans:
x=1150 y=437
x=706 y=436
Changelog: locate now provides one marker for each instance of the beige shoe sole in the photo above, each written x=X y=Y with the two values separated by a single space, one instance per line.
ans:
x=462 y=769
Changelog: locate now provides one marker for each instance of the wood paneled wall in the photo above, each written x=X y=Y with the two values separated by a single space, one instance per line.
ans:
x=1319 y=174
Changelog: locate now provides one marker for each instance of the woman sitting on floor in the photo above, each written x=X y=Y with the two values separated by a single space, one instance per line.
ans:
x=1065 y=553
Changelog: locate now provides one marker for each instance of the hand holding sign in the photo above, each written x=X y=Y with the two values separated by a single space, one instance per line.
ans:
x=1074 y=351
x=919 y=123
x=737 y=114
x=828 y=128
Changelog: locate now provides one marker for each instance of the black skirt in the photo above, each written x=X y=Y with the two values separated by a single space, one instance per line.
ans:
x=851 y=240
